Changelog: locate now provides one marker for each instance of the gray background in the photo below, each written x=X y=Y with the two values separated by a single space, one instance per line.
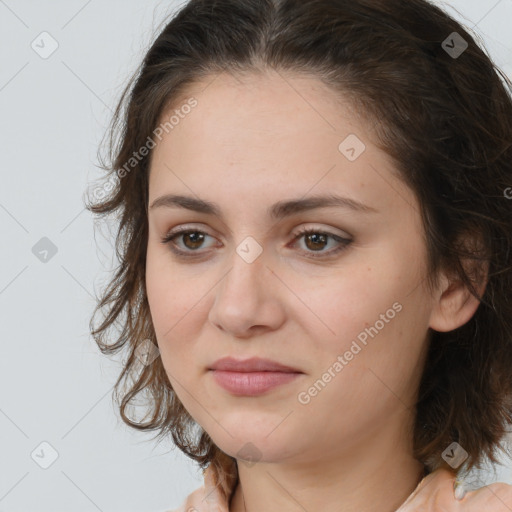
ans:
x=55 y=385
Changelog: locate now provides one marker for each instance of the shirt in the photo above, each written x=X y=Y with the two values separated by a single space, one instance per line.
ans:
x=216 y=492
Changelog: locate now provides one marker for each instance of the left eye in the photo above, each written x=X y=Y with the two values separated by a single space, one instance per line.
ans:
x=315 y=239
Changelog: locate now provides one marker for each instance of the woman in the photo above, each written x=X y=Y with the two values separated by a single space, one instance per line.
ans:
x=315 y=242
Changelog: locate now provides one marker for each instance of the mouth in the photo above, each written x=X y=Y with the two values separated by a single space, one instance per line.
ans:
x=251 y=377
x=252 y=383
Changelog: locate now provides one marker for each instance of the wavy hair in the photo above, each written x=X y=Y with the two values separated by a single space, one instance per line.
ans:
x=444 y=118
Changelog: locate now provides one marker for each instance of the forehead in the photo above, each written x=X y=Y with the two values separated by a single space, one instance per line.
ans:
x=267 y=103
x=270 y=134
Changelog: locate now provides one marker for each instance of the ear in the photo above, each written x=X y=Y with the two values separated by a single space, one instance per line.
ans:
x=454 y=304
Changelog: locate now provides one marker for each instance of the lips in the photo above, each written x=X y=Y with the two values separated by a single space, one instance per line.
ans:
x=254 y=364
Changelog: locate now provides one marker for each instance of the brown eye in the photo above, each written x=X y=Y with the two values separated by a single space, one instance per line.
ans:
x=316 y=240
x=194 y=238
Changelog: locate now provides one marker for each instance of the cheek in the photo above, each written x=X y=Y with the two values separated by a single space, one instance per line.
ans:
x=169 y=295
x=170 y=302
x=178 y=303
x=367 y=314
x=341 y=305
x=171 y=313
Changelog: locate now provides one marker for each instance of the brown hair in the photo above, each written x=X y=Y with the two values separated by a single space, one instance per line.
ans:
x=445 y=119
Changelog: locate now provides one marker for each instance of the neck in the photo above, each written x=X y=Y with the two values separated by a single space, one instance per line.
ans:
x=375 y=476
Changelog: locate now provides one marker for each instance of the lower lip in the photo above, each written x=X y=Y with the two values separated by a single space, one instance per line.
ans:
x=251 y=383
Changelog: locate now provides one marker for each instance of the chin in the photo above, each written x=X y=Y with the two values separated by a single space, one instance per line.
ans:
x=253 y=445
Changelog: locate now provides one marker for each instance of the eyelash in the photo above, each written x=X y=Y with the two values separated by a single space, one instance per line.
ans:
x=169 y=237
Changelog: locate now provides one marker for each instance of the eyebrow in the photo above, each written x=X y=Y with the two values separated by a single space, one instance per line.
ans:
x=278 y=210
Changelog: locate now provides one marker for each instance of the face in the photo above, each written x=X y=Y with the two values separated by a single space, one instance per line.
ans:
x=345 y=305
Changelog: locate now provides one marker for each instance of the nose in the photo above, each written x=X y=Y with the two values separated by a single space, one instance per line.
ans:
x=249 y=298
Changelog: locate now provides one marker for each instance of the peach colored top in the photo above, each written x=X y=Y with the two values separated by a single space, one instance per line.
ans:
x=216 y=492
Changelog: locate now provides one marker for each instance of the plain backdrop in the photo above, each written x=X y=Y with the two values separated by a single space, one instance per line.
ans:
x=55 y=385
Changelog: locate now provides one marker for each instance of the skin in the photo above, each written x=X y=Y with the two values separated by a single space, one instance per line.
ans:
x=435 y=493
x=247 y=145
